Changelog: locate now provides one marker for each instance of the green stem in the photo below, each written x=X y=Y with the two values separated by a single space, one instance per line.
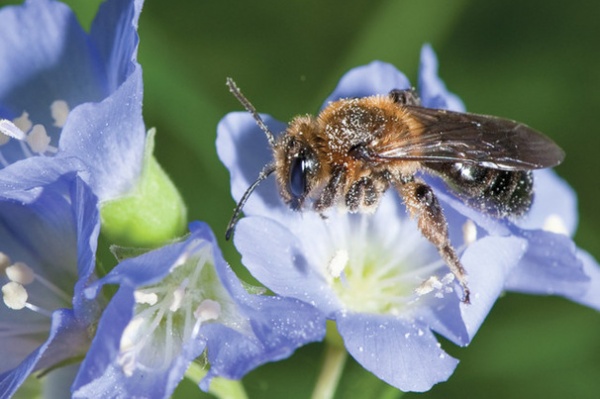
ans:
x=333 y=364
x=220 y=387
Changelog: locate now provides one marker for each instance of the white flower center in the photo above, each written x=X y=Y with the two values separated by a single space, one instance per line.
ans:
x=382 y=269
x=171 y=312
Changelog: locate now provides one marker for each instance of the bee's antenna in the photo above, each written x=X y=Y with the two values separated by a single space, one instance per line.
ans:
x=264 y=173
x=250 y=108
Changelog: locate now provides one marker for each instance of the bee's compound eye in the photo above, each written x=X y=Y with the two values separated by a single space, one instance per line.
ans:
x=297 y=179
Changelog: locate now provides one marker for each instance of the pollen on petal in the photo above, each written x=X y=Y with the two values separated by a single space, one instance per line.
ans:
x=432 y=283
x=14 y=295
x=20 y=273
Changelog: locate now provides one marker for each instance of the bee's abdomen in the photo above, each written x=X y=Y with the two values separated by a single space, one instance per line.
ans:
x=499 y=193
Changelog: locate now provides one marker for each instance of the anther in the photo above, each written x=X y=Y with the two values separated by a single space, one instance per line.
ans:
x=14 y=295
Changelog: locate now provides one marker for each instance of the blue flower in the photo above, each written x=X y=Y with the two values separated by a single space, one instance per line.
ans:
x=175 y=303
x=48 y=230
x=65 y=92
x=375 y=275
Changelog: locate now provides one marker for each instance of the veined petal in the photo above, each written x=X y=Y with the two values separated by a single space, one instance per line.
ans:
x=403 y=353
x=243 y=149
x=432 y=89
x=114 y=32
x=109 y=137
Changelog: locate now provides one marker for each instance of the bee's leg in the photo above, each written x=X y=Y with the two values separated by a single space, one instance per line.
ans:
x=405 y=97
x=332 y=190
x=423 y=205
x=364 y=194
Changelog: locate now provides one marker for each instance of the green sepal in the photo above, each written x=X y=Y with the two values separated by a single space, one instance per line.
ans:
x=152 y=214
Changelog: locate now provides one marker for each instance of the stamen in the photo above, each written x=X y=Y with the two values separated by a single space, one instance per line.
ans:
x=20 y=273
x=10 y=130
x=39 y=141
x=4 y=261
x=145 y=298
x=23 y=123
x=39 y=310
x=208 y=310
x=52 y=287
x=14 y=295
x=178 y=295
x=60 y=111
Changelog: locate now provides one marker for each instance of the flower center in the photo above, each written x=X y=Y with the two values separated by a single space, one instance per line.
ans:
x=31 y=139
x=171 y=312
x=385 y=272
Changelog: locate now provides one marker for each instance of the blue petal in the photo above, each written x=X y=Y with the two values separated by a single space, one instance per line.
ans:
x=432 y=89
x=488 y=263
x=368 y=80
x=67 y=337
x=109 y=137
x=243 y=149
x=280 y=325
x=281 y=251
x=114 y=32
x=550 y=266
x=403 y=353
x=591 y=297
x=549 y=190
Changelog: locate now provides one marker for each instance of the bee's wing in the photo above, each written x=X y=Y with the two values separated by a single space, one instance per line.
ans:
x=444 y=136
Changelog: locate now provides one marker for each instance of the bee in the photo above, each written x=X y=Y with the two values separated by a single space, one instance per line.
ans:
x=357 y=148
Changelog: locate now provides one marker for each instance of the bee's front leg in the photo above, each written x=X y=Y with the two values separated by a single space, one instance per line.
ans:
x=423 y=205
x=332 y=190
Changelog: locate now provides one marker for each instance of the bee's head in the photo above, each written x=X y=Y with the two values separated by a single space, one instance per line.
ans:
x=296 y=162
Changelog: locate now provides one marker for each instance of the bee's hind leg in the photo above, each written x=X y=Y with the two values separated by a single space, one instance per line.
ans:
x=423 y=205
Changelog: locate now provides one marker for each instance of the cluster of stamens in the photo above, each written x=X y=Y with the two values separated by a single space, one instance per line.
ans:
x=169 y=313
x=20 y=277
x=376 y=277
x=33 y=138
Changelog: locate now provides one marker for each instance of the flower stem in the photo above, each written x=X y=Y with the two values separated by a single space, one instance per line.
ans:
x=220 y=387
x=331 y=371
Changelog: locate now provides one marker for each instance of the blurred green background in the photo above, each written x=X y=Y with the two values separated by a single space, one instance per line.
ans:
x=531 y=60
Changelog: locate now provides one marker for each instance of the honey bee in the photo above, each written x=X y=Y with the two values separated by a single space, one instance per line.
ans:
x=357 y=148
